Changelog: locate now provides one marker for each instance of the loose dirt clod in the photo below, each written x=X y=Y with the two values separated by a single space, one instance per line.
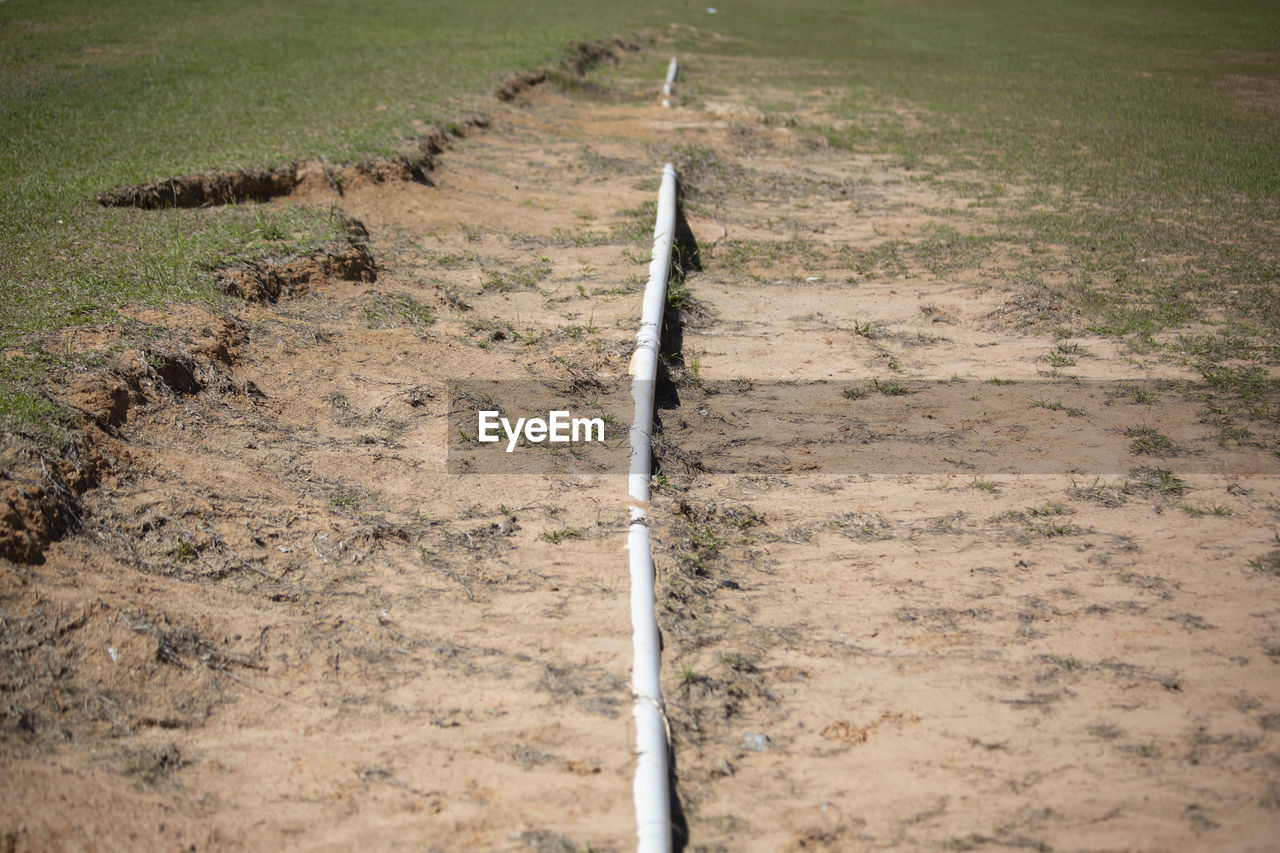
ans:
x=269 y=282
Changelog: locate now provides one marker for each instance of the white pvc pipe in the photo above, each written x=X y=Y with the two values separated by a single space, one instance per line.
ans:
x=650 y=787
x=666 y=87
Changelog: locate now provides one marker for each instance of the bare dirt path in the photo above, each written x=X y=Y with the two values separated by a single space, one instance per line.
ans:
x=897 y=610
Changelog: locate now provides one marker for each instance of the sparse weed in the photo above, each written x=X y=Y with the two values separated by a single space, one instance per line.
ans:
x=1051 y=529
x=387 y=309
x=184 y=550
x=1057 y=359
x=1070 y=664
x=1268 y=563
x=688 y=676
x=1157 y=480
x=1057 y=406
x=555 y=537
x=1104 y=493
x=736 y=662
x=891 y=388
x=678 y=296
x=1149 y=441
x=704 y=538
x=1139 y=394
x=521 y=278
x=345 y=500
x=1197 y=511
x=453 y=262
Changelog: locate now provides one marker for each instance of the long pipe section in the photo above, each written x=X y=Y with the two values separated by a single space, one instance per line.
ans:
x=650 y=787
x=666 y=87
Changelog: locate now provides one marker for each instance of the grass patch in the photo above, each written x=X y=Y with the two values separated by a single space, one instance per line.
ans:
x=1057 y=406
x=555 y=537
x=1128 y=146
x=393 y=309
x=521 y=278
x=1051 y=529
x=1156 y=480
x=345 y=501
x=678 y=296
x=891 y=388
x=1149 y=441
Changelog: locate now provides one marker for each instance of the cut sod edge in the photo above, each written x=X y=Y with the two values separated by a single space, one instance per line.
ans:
x=230 y=187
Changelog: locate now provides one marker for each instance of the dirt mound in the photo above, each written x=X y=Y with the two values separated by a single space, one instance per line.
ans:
x=269 y=281
x=40 y=493
x=30 y=516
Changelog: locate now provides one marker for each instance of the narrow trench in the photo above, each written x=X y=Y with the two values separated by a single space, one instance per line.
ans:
x=686 y=260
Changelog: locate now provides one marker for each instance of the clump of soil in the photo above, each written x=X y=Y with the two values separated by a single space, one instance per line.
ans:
x=40 y=492
x=269 y=281
x=31 y=514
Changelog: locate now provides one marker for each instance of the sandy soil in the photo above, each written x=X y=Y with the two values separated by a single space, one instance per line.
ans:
x=902 y=607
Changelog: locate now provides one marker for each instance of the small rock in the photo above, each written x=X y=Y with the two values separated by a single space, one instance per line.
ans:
x=756 y=742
